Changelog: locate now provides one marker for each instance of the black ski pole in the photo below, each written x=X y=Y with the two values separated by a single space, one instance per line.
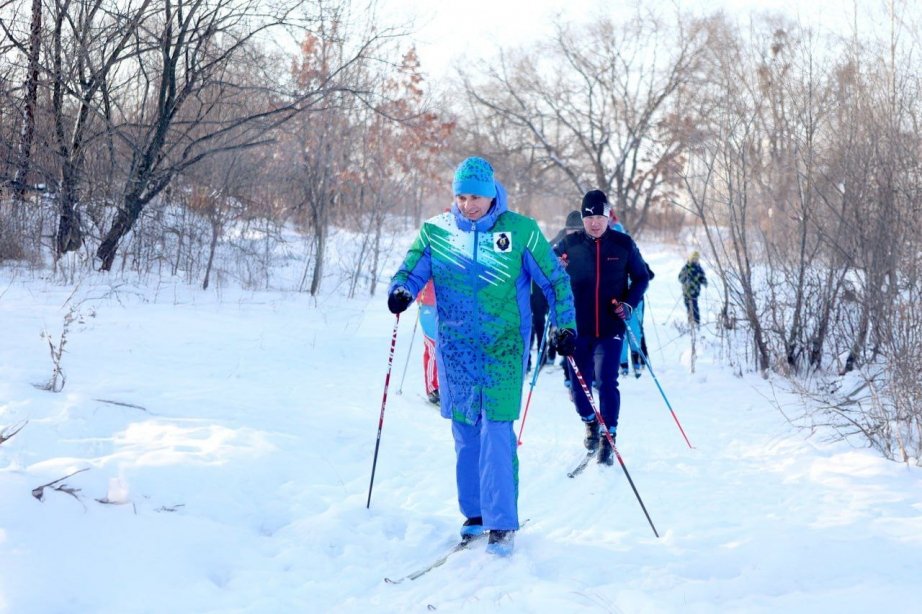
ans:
x=387 y=381
x=611 y=442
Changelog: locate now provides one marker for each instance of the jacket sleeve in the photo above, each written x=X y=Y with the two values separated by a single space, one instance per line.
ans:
x=417 y=266
x=560 y=247
x=540 y=261
x=638 y=275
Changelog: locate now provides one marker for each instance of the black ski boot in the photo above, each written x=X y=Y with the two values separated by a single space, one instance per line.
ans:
x=501 y=542
x=471 y=528
x=592 y=435
x=605 y=452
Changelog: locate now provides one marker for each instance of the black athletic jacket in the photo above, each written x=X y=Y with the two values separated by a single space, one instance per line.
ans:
x=599 y=270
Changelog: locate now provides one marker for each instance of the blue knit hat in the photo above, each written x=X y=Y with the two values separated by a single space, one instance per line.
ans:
x=474 y=176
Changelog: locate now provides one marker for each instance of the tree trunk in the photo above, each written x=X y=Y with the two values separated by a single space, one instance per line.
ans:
x=124 y=220
x=69 y=236
x=318 y=260
x=28 y=113
x=858 y=343
x=215 y=233
x=376 y=256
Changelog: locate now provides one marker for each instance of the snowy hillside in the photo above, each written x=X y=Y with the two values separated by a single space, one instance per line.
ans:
x=224 y=446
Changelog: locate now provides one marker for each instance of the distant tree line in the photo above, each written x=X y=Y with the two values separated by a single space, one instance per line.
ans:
x=150 y=136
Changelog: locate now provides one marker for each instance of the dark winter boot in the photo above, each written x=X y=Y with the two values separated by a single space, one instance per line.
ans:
x=605 y=452
x=501 y=542
x=637 y=363
x=434 y=397
x=472 y=527
x=624 y=370
x=592 y=435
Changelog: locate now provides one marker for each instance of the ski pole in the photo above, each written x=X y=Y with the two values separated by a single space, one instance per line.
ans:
x=656 y=380
x=534 y=376
x=387 y=381
x=409 y=352
x=611 y=441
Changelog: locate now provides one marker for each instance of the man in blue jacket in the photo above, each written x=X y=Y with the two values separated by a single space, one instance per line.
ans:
x=608 y=277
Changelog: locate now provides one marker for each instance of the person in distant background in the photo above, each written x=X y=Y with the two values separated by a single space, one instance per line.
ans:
x=631 y=355
x=630 y=352
x=692 y=278
x=427 y=318
x=574 y=223
x=538 y=318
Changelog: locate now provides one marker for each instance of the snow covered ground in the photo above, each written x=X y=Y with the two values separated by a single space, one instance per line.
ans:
x=224 y=445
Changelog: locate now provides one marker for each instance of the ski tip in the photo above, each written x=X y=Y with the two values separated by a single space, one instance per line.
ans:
x=389 y=581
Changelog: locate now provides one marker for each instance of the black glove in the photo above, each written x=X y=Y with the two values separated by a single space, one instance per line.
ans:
x=399 y=299
x=565 y=341
x=621 y=310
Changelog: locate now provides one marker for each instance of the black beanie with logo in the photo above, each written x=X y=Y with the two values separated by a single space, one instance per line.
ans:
x=595 y=203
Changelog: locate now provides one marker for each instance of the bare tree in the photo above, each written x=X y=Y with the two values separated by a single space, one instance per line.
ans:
x=598 y=103
x=98 y=41
x=401 y=142
x=804 y=170
x=30 y=101
x=183 y=76
x=17 y=160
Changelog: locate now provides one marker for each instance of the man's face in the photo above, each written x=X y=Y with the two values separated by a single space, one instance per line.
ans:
x=473 y=207
x=595 y=225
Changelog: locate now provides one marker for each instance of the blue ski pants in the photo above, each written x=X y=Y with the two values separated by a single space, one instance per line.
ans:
x=487 y=472
x=636 y=324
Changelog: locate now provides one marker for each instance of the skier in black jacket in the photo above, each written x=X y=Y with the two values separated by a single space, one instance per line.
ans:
x=608 y=277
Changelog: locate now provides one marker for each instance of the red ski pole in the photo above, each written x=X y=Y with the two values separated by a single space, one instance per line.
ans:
x=646 y=360
x=387 y=381
x=611 y=442
x=534 y=378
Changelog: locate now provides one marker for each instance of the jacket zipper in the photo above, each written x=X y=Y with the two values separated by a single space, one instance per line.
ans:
x=597 y=283
x=477 y=309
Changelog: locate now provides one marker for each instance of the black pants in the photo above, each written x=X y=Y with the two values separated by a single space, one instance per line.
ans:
x=691 y=307
x=537 y=331
x=597 y=360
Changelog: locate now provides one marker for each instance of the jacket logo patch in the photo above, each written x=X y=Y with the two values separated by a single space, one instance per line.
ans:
x=502 y=242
